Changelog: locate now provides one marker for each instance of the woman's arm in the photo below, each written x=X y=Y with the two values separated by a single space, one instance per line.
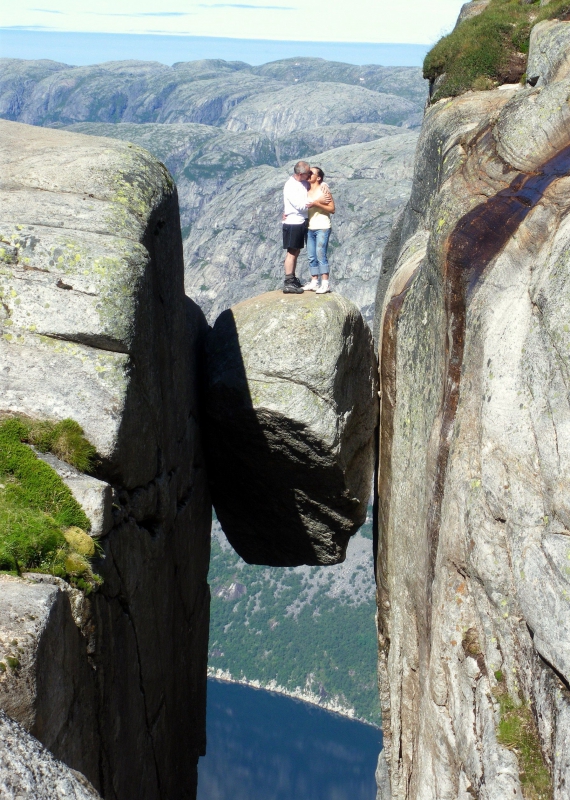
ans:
x=325 y=205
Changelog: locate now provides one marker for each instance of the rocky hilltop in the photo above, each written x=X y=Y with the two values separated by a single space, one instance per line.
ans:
x=215 y=124
x=473 y=524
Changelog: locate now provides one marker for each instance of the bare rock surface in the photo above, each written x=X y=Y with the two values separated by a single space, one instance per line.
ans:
x=405 y=81
x=27 y=769
x=318 y=140
x=291 y=413
x=93 y=495
x=474 y=475
x=312 y=105
x=471 y=9
x=46 y=682
x=50 y=93
x=549 y=56
x=96 y=327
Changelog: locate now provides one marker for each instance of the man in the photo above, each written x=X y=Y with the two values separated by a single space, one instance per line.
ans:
x=295 y=223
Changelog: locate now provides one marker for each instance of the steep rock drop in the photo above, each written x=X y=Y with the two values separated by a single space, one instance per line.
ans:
x=473 y=589
x=96 y=327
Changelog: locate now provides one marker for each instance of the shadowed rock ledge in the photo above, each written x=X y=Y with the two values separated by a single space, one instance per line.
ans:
x=291 y=414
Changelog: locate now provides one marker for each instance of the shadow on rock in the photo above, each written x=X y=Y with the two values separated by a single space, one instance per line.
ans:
x=291 y=406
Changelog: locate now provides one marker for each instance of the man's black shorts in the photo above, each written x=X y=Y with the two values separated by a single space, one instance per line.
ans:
x=294 y=236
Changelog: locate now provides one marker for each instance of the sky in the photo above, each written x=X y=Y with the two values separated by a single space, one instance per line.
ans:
x=348 y=21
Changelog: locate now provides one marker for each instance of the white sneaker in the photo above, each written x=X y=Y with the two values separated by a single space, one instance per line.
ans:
x=312 y=286
x=323 y=288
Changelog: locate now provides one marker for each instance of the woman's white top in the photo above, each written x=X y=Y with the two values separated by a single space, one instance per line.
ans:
x=319 y=220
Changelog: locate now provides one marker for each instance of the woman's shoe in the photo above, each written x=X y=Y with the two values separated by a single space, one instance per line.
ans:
x=311 y=286
x=323 y=288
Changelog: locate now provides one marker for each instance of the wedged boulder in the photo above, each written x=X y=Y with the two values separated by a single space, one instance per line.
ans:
x=27 y=769
x=291 y=407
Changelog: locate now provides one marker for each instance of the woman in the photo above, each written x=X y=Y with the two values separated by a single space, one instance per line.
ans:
x=321 y=206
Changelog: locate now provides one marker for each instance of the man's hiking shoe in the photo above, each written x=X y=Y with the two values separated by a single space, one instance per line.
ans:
x=292 y=285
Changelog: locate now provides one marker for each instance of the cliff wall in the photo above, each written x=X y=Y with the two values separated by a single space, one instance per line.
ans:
x=96 y=327
x=473 y=518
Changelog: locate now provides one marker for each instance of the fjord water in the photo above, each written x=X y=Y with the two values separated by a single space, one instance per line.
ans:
x=265 y=746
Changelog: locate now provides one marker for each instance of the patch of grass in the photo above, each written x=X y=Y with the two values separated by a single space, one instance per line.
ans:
x=64 y=439
x=488 y=50
x=39 y=487
x=518 y=732
x=42 y=526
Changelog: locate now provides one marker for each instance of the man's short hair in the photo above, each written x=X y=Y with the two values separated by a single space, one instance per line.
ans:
x=300 y=167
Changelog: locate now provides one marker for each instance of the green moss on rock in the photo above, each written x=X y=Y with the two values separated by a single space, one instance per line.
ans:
x=489 y=49
x=37 y=509
x=518 y=732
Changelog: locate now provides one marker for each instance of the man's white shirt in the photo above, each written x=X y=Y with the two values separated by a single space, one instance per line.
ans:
x=295 y=201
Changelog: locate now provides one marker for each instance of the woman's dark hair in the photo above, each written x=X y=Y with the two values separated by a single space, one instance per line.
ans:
x=320 y=173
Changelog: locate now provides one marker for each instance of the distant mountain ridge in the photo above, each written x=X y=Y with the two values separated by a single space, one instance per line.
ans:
x=226 y=130
x=50 y=93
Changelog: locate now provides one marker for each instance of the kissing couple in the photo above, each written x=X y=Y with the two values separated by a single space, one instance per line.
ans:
x=307 y=208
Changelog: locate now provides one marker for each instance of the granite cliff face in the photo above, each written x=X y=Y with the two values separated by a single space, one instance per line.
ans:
x=473 y=524
x=96 y=327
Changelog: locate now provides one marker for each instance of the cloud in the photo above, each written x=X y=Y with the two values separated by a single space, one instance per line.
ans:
x=245 y=5
x=46 y=10
x=144 y=14
x=27 y=28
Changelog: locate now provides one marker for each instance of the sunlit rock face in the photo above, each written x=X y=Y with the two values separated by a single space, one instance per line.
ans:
x=291 y=414
x=27 y=769
x=46 y=684
x=95 y=326
x=474 y=465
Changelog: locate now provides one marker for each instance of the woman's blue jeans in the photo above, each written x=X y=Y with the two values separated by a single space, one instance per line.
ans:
x=317 y=243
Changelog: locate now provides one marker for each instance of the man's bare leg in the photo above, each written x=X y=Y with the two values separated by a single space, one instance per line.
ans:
x=291 y=261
